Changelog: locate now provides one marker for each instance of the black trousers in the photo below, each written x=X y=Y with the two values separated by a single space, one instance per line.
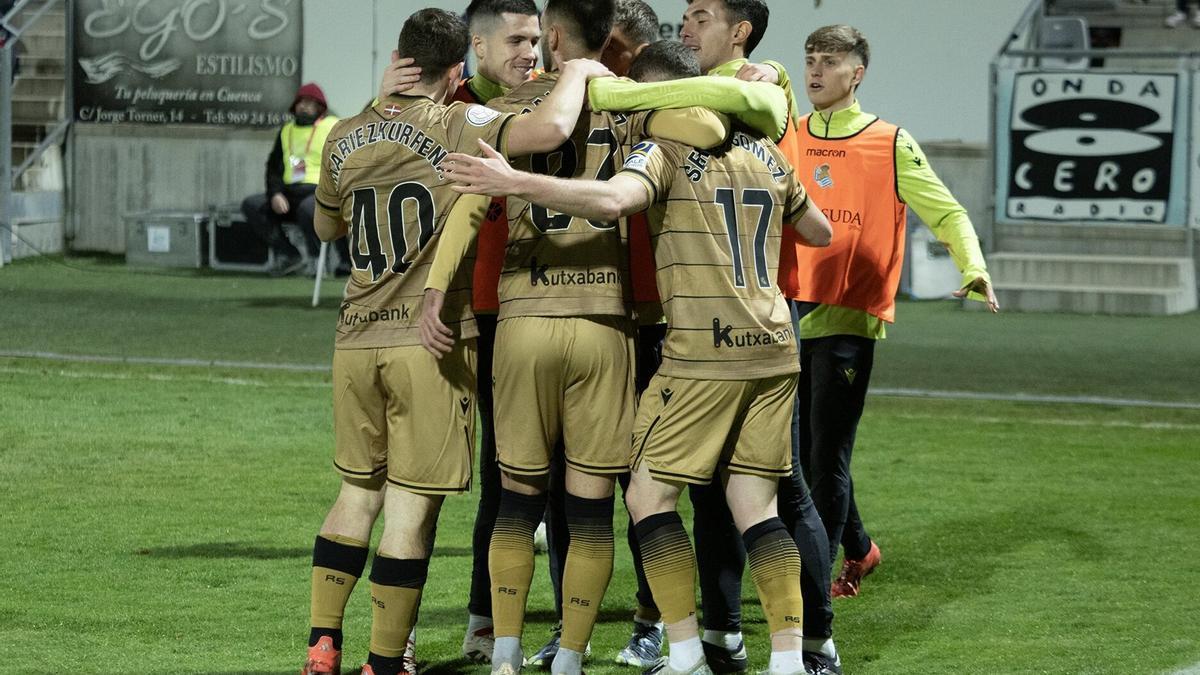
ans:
x=268 y=225
x=648 y=356
x=835 y=373
x=480 y=601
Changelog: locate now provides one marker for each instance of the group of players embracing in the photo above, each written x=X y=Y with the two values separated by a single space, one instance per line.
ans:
x=519 y=240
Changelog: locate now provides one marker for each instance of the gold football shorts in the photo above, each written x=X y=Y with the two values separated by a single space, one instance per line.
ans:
x=565 y=378
x=401 y=411
x=688 y=429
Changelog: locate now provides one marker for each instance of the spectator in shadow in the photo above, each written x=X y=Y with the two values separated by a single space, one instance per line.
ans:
x=293 y=169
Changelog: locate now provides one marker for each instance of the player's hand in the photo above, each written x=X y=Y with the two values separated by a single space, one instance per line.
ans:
x=982 y=287
x=279 y=204
x=400 y=76
x=487 y=175
x=757 y=72
x=436 y=338
x=588 y=68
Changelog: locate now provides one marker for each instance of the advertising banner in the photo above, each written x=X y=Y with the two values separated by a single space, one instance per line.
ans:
x=219 y=62
x=1088 y=146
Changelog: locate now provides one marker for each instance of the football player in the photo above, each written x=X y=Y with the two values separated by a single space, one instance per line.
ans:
x=404 y=422
x=722 y=401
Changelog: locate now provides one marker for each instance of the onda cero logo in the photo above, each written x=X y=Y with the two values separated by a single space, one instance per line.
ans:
x=1091 y=146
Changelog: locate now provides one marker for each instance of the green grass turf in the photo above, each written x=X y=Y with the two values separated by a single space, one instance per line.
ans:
x=160 y=518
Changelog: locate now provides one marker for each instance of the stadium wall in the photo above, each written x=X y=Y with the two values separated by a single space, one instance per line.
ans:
x=118 y=171
x=928 y=73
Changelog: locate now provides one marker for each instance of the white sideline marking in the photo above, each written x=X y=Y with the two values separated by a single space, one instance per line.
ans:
x=1058 y=422
x=879 y=391
x=159 y=377
x=1193 y=669
x=153 y=361
x=1033 y=398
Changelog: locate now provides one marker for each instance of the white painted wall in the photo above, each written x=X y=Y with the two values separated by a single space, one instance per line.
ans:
x=929 y=69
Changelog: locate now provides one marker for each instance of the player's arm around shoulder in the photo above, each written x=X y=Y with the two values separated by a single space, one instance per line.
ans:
x=492 y=175
x=698 y=127
x=550 y=124
x=920 y=187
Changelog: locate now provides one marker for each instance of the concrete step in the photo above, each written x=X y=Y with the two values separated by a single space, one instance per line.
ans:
x=1095 y=299
x=1126 y=12
x=45 y=86
x=1156 y=36
x=1070 y=271
x=41 y=66
x=33 y=237
x=1079 y=239
x=36 y=109
x=44 y=45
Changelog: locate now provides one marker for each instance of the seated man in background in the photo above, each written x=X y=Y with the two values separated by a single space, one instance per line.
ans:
x=293 y=169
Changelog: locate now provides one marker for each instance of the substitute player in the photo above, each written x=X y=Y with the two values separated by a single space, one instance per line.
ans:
x=403 y=420
x=867 y=171
x=723 y=399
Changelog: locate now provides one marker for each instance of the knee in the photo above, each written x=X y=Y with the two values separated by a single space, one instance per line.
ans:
x=360 y=499
x=643 y=499
x=252 y=206
x=305 y=212
x=524 y=485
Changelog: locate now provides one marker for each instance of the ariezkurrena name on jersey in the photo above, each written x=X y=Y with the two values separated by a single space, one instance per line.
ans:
x=723 y=336
x=400 y=133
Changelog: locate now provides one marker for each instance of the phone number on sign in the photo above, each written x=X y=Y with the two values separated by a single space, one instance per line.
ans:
x=247 y=117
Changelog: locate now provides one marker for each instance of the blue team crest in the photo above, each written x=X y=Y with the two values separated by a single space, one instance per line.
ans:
x=640 y=156
x=823 y=177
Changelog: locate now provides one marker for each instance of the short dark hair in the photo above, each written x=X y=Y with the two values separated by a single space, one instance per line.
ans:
x=668 y=59
x=492 y=9
x=755 y=12
x=839 y=38
x=637 y=21
x=436 y=40
x=592 y=20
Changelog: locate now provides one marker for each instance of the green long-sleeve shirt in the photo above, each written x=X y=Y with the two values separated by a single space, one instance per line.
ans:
x=918 y=186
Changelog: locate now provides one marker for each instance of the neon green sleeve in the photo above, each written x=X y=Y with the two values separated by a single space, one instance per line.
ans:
x=785 y=83
x=921 y=189
x=758 y=105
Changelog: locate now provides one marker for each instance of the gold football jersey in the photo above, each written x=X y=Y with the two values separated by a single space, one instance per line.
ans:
x=381 y=174
x=715 y=229
x=555 y=264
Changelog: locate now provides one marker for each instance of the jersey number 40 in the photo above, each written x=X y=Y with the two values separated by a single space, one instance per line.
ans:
x=366 y=230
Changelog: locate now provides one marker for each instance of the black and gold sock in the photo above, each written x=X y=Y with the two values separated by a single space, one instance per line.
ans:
x=338 y=562
x=588 y=569
x=670 y=565
x=395 y=597
x=775 y=568
x=510 y=559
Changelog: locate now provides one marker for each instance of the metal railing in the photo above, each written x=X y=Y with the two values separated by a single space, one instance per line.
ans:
x=9 y=175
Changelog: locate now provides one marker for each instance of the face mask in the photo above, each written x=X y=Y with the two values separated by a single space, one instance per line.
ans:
x=305 y=120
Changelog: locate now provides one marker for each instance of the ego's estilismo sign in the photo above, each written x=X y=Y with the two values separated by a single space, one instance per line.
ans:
x=227 y=62
x=1091 y=146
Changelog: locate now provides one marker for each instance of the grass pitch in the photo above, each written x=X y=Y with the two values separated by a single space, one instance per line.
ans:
x=160 y=517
